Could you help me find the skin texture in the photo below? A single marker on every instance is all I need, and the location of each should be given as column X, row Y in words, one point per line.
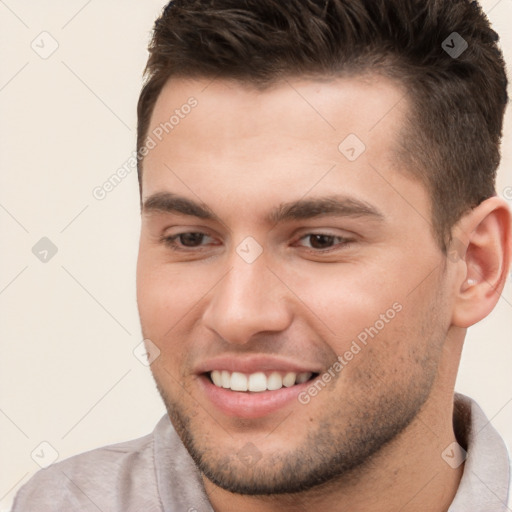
column 372, row 438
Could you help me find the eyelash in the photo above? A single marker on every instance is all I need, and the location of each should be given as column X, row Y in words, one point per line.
column 171, row 242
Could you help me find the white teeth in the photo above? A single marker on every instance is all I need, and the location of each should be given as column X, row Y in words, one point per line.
column 257, row 382
column 274, row 381
column 238, row 382
column 217, row 378
column 303, row 377
column 289, row 379
column 226, row 379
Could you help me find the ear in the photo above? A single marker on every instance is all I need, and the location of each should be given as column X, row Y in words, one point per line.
column 482, row 249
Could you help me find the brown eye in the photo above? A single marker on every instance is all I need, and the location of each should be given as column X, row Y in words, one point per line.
column 321, row 241
column 191, row 239
column 184, row 241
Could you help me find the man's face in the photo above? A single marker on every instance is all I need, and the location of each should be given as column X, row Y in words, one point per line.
column 267, row 289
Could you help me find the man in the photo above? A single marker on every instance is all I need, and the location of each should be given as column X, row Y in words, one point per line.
column 319, row 230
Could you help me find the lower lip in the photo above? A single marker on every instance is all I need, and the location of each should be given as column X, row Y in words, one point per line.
column 249, row 405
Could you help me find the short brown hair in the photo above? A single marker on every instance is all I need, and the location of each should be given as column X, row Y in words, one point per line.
column 454, row 130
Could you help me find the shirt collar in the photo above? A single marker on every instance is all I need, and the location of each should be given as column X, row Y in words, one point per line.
column 484, row 486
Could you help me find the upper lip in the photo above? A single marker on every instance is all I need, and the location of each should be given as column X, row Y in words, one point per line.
column 253, row 364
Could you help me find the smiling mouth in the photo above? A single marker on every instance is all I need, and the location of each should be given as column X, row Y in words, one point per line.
column 259, row 381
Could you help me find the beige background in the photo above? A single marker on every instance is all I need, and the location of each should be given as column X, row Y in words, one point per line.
column 67, row 372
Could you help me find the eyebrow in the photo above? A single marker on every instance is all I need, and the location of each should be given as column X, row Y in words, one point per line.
column 167, row 202
column 335, row 205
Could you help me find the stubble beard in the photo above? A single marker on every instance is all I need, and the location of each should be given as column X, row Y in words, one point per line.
column 338, row 445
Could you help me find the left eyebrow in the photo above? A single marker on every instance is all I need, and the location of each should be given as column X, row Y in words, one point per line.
column 338, row 206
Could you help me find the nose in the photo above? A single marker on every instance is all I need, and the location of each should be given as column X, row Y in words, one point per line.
column 248, row 300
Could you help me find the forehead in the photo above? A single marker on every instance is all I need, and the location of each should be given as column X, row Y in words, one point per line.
column 314, row 111
column 279, row 143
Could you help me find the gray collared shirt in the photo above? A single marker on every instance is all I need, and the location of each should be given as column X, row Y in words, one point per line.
column 155, row 473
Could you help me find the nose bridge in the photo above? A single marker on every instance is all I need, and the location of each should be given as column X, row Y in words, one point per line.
column 246, row 301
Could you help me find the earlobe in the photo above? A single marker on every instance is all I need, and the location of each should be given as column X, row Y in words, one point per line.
column 484, row 263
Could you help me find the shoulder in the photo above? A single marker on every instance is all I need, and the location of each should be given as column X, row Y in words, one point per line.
column 115, row 477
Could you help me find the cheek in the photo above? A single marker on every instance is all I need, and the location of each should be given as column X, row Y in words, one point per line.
column 165, row 301
column 168, row 295
column 343, row 301
column 404, row 346
column 372, row 320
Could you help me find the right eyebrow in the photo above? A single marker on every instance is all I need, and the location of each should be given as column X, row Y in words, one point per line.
column 167, row 202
